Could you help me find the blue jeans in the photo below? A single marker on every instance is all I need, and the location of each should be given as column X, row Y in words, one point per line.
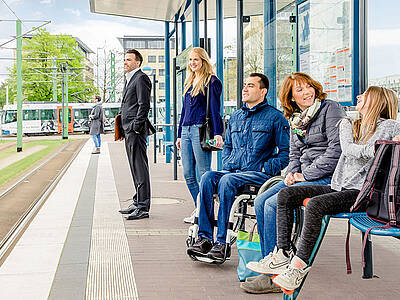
column 265, row 208
column 225, row 184
column 192, row 156
column 96, row 140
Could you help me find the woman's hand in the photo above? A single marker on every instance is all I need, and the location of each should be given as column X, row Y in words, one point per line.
column 396, row 138
column 219, row 142
column 178, row 143
column 299, row 177
column 289, row 179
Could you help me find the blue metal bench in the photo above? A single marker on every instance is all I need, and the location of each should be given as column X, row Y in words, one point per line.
column 362, row 222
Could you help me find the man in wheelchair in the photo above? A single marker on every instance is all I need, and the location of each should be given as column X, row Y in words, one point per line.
column 256, row 148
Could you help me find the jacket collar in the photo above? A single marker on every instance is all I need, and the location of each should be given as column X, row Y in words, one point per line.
column 249, row 111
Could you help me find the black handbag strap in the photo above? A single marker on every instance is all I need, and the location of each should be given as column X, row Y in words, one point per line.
column 208, row 101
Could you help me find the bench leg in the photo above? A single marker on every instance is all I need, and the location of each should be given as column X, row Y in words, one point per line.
column 368, row 268
column 324, row 227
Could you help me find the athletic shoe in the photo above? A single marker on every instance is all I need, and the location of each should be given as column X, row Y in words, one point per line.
column 190, row 220
column 217, row 252
column 275, row 262
column 292, row 278
column 261, row 284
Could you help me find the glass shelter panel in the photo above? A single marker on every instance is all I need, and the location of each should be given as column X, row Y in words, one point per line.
column 324, row 40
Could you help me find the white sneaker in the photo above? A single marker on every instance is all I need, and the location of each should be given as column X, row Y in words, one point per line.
column 274, row 263
column 292, row 278
column 190, row 220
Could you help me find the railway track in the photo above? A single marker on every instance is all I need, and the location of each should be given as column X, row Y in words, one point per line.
column 20, row 202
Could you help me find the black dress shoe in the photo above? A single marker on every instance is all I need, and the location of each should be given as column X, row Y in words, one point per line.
column 138, row 214
column 130, row 209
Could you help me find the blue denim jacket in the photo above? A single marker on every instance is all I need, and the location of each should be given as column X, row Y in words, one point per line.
column 256, row 139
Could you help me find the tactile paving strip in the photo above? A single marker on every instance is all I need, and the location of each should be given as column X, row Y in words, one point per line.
column 110, row 271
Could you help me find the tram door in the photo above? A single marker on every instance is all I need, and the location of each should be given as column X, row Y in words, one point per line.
column 70, row 120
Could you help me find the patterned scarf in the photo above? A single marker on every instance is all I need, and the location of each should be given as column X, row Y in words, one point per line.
column 300, row 119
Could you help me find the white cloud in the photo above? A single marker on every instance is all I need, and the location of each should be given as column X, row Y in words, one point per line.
column 384, row 37
column 46, row 1
column 96, row 33
column 75, row 12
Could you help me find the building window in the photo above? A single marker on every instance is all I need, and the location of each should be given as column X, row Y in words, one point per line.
column 152, row 59
column 161, row 59
column 161, row 86
column 155, row 44
column 161, row 72
column 135, row 44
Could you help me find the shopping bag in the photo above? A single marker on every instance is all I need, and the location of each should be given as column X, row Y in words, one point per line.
column 249, row 249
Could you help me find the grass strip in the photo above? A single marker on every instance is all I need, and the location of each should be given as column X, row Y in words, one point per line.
column 22, row 165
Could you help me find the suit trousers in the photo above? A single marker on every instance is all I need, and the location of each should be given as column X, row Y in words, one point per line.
column 136, row 150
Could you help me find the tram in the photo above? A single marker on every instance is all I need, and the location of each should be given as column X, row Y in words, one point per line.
column 45, row 117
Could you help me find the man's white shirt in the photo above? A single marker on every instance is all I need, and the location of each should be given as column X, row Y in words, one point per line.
column 129, row 75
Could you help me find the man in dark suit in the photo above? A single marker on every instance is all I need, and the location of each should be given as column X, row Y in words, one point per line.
column 134, row 110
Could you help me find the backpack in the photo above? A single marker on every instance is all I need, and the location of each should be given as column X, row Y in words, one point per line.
column 379, row 196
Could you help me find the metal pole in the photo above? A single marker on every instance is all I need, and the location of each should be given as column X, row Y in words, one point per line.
column 112, row 96
column 62, row 105
column 167, row 92
column 195, row 23
column 19, row 87
column 175, row 111
column 54, row 71
column 155, row 116
column 67, row 114
column 270, row 48
column 205, row 29
column 239, row 51
column 220, row 61
column 183, row 38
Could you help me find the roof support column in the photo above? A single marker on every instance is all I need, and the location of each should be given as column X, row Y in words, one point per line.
column 220, row 60
column 270, row 48
column 239, row 51
column 183, row 36
column 167, row 92
column 195, row 23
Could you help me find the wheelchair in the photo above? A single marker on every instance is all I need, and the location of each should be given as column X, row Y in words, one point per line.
column 240, row 213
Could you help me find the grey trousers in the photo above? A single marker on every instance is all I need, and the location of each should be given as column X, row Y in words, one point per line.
column 324, row 201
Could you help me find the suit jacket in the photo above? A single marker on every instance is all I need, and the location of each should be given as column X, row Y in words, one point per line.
column 136, row 103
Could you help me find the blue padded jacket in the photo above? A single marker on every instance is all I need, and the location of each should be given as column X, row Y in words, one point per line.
column 256, row 139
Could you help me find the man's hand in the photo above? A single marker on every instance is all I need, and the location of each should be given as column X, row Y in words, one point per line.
column 299, row 177
column 90, row 117
column 121, row 138
column 219, row 142
column 178, row 143
column 289, row 179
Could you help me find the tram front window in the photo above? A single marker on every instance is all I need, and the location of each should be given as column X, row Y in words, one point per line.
column 11, row 116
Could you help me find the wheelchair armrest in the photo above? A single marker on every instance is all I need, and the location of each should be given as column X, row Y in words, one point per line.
column 269, row 183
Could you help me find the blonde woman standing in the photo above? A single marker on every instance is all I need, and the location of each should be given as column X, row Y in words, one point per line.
column 200, row 79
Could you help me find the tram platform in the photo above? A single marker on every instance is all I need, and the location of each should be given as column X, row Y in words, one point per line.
column 80, row 247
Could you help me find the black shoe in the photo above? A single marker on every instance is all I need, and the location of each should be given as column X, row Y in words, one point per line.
column 138, row 214
column 130, row 209
column 218, row 251
column 200, row 247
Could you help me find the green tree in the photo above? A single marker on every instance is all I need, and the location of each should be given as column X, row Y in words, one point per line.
column 37, row 54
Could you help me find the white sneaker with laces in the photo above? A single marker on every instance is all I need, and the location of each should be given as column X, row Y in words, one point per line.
column 274, row 263
column 190, row 220
column 292, row 278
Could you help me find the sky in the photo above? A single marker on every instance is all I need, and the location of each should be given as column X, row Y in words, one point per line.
column 71, row 17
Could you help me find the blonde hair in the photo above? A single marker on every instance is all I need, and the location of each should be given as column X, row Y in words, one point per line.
column 383, row 103
column 286, row 95
column 205, row 73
